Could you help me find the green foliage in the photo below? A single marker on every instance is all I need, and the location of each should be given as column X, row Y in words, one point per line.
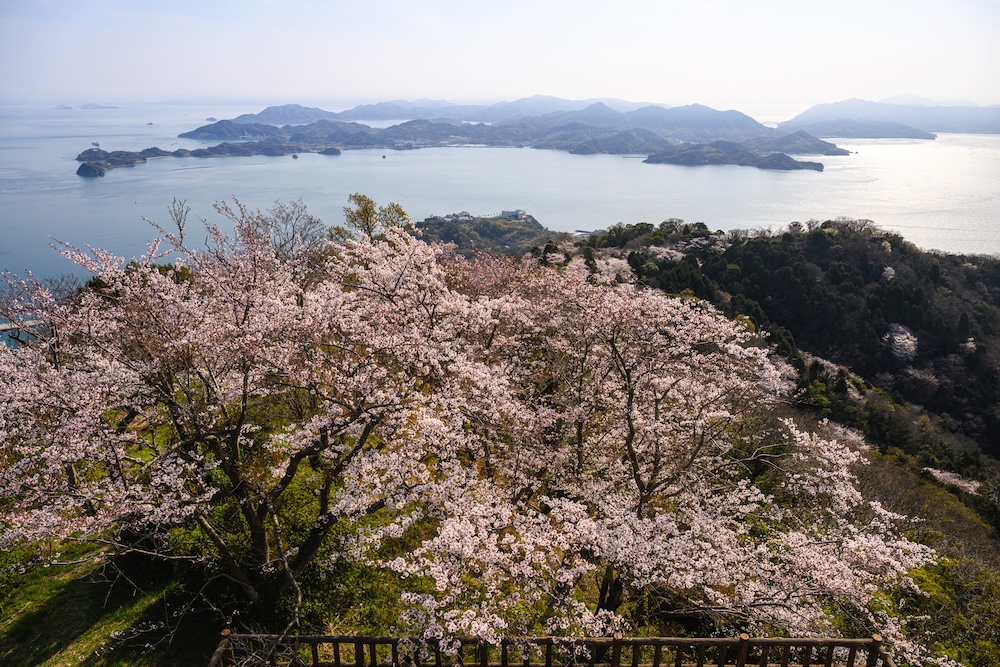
column 644, row 234
column 832, row 290
column 959, row 610
column 835, row 289
column 494, row 235
column 816, row 393
column 365, row 217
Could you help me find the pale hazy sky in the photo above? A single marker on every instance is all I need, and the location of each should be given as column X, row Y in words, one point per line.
column 769, row 58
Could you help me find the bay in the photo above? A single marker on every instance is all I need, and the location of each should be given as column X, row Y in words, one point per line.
column 941, row 194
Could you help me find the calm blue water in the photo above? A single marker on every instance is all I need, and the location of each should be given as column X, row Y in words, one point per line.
column 941, row 195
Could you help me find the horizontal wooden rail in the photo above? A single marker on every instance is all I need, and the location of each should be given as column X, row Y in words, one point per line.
column 246, row 650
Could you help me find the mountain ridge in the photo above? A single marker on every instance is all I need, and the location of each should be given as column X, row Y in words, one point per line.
column 960, row 119
column 595, row 128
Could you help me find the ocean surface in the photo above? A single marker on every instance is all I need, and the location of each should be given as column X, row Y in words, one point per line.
column 941, row 195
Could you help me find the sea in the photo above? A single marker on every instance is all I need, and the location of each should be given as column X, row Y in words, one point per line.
column 941, row 195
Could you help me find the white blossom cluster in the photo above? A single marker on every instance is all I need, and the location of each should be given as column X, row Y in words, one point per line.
column 901, row 341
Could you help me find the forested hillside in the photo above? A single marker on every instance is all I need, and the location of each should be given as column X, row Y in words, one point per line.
column 302, row 429
column 491, row 235
column 923, row 326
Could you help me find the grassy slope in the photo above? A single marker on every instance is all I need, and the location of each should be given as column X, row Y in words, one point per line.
column 73, row 615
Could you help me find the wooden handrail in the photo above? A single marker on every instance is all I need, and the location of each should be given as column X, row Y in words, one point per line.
column 743, row 651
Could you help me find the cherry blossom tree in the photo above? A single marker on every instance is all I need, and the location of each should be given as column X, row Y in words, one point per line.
column 639, row 450
column 554, row 446
column 161, row 395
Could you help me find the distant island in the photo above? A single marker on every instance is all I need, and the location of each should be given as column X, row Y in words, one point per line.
column 914, row 113
column 863, row 129
column 885, row 120
column 66, row 107
column 686, row 135
column 97, row 162
column 727, row 152
column 690, row 135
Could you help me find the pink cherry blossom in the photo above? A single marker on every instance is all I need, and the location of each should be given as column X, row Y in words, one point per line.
column 542, row 429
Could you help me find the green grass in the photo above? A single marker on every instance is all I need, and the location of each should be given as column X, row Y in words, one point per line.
column 73, row 615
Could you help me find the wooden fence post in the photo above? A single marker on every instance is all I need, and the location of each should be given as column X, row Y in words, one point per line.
column 743, row 651
column 616, row 650
column 873, row 652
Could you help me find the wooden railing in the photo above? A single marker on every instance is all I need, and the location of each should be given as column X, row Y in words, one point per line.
column 246, row 650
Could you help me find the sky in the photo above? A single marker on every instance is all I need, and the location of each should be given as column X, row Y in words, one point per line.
column 768, row 58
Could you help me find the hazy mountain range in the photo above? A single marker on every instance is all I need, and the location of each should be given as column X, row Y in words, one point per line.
column 850, row 118
column 693, row 134
column 535, row 105
column 707, row 136
column 939, row 118
column 512, row 121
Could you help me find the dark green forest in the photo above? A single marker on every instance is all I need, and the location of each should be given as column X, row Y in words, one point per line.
column 833, row 290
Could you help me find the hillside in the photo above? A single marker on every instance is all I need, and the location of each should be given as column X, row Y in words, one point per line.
column 472, row 234
column 802, row 142
column 921, row 326
column 389, row 436
column 286, row 114
column 694, row 122
column 230, row 129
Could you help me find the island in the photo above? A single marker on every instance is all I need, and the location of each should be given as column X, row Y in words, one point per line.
column 886, row 119
column 727, row 152
column 97, row 162
column 852, row 128
column 690, row 135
